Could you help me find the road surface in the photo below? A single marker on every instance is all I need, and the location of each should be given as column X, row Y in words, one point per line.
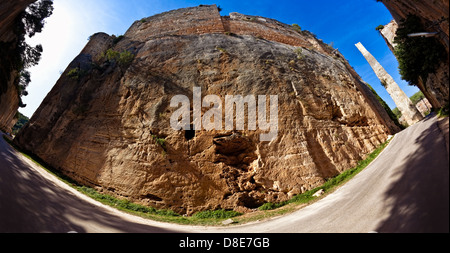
column 406, row 189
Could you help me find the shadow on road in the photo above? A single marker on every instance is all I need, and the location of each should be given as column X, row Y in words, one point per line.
column 30, row 203
column 419, row 197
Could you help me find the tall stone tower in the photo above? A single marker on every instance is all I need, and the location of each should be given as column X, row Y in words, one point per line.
column 404, row 104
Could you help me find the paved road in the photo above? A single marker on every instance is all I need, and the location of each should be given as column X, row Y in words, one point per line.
column 406, row 189
column 34, row 201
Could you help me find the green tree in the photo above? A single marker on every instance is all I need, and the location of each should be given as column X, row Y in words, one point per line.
column 297, row 28
column 124, row 58
column 34, row 17
column 25, row 79
column 30, row 22
column 417, row 97
column 24, row 56
column 379, row 28
column 417, row 56
column 21, row 121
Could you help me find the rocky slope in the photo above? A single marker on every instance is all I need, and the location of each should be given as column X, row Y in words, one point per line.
column 9, row 100
column 106, row 122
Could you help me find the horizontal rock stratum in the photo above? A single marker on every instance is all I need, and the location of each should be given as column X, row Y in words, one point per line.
column 106, row 122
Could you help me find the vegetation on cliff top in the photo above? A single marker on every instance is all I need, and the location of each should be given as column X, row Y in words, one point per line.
column 18, row 56
column 417, row 56
column 379, row 28
column 416, row 98
column 122, row 59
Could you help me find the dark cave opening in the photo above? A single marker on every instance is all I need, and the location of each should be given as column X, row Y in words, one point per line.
column 189, row 134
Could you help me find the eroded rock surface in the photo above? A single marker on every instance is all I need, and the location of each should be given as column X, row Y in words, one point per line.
column 109, row 127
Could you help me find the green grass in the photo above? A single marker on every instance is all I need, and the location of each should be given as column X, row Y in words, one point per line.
column 209, row 217
column 329, row 185
column 200, row 218
column 443, row 111
column 76, row 74
column 122, row 204
column 159, row 141
column 123, row 58
column 217, row 214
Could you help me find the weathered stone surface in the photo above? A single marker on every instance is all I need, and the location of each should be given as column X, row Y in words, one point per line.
column 319, row 193
column 228, row 222
column 9, row 10
column 388, row 33
column 409, row 112
column 9, row 103
column 424, row 107
column 110, row 128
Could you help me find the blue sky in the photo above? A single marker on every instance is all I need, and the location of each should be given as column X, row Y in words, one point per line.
column 344, row 23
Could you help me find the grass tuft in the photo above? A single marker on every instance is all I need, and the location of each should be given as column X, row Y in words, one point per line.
column 217, row 214
column 331, row 184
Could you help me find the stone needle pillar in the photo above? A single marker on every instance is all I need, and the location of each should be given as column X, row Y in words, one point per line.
column 404, row 104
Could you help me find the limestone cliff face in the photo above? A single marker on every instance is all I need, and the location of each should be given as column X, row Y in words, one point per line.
column 9, row 100
column 434, row 14
column 109, row 126
column 9, row 11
